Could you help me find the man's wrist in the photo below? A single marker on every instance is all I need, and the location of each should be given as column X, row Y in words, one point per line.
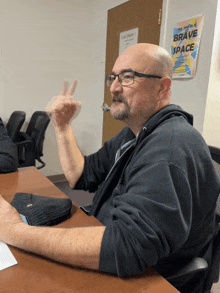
column 16, row 234
column 62, row 128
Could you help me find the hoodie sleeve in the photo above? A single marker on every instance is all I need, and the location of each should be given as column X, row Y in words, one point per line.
column 8, row 152
column 149, row 220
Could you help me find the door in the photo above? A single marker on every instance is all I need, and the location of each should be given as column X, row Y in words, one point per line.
column 142, row 14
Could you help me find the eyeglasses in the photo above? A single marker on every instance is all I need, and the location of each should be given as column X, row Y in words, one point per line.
column 127, row 77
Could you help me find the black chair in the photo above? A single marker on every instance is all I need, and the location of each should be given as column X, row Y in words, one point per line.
column 14, row 124
column 30, row 144
column 197, row 271
column 199, row 275
column 213, row 272
column 215, row 153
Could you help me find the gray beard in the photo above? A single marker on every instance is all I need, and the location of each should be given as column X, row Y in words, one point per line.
column 124, row 113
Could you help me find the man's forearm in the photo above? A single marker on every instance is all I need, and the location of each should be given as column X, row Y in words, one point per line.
column 71, row 159
column 74, row 246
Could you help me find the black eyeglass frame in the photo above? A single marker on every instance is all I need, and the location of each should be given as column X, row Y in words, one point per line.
column 135, row 73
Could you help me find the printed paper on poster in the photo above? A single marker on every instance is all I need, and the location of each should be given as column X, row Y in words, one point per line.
column 185, row 47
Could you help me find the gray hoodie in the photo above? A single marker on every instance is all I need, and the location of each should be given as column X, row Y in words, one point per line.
column 157, row 199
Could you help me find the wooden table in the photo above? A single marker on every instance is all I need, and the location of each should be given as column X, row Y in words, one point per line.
column 36, row 274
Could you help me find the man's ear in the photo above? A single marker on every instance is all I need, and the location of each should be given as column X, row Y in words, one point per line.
column 165, row 84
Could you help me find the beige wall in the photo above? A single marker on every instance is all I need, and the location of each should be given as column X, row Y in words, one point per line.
column 44, row 42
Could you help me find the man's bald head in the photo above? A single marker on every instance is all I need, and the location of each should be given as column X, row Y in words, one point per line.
column 151, row 55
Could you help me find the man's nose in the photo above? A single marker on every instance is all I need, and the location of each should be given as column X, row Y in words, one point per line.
column 116, row 86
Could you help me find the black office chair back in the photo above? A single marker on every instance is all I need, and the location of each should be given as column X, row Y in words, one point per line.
column 217, row 169
column 14, row 124
column 33, row 121
column 38, row 136
column 200, row 275
column 213, row 272
column 215, row 153
column 30, row 146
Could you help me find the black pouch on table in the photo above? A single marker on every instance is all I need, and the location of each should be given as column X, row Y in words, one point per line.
column 40, row 210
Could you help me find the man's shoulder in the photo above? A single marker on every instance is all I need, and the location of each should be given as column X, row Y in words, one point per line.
column 173, row 140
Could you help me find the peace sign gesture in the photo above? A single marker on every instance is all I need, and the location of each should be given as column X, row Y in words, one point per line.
column 63, row 108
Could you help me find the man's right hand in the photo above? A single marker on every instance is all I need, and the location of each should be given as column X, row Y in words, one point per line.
column 63, row 108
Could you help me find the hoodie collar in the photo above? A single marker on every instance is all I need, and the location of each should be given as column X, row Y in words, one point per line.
column 159, row 117
column 164, row 114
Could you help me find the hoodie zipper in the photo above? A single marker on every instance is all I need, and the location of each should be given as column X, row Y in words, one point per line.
column 118, row 159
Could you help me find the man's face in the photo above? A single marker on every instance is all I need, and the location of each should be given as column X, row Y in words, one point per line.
column 137, row 101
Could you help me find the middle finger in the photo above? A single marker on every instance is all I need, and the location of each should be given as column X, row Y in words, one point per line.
column 72, row 88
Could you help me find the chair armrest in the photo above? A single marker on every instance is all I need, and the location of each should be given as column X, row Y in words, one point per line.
column 197, row 265
column 24, row 138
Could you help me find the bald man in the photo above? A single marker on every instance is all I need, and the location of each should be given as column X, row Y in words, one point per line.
column 154, row 182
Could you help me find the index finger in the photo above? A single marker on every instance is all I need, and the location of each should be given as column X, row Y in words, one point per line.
column 72, row 89
column 65, row 87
